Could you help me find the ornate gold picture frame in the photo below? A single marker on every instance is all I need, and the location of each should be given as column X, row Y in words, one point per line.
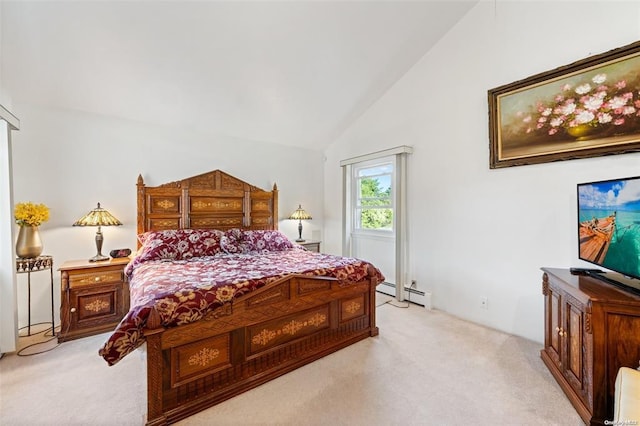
column 585, row 109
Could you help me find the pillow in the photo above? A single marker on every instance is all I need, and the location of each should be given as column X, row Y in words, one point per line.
column 231, row 240
column 262, row 241
column 239, row 241
column 179, row 244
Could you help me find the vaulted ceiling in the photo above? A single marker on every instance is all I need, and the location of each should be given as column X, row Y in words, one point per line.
column 294, row 73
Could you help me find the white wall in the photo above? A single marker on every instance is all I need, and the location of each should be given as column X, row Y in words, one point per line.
column 477, row 232
column 71, row 160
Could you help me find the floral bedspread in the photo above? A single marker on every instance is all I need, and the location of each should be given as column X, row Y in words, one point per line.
column 184, row 291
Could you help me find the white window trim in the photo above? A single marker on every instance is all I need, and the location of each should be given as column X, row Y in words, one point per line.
column 8, row 285
column 402, row 149
column 400, row 209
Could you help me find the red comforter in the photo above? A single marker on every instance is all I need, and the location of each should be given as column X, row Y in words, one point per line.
column 184, row 291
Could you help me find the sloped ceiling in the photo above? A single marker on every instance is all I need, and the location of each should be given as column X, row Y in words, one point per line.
column 294, row 73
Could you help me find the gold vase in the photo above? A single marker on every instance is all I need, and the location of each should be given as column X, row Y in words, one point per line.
column 582, row 131
column 28, row 244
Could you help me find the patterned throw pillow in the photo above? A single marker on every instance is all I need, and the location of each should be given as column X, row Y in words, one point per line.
column 261, row 241
column 231, row 241
column 179, row 244
column 239, row 241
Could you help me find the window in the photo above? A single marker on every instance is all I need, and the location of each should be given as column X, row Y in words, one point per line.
column 374, row 221
column 374, row 197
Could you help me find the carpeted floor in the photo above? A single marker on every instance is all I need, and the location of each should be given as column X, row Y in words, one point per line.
column 425, row 368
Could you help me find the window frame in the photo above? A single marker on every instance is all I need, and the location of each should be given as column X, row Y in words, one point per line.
column 356, row 196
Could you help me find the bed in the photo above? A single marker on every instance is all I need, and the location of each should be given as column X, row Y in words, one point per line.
column 225, row 302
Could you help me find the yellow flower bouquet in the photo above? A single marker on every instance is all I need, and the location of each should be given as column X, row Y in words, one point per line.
column 30, row 214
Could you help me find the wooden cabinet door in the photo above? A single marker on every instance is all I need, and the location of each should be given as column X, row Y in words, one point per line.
column 554, row 326
column 574, row 359
column 96, row 306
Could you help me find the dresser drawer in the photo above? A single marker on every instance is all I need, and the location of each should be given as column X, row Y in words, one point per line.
column 311, row 245
column 94, row 278
column 96, row 305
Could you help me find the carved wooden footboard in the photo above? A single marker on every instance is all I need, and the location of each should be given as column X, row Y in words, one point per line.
column 258, row 337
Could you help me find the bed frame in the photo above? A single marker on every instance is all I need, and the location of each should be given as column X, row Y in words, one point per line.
column 256, row 338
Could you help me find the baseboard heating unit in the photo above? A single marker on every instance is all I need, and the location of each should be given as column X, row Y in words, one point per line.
column 412, row 295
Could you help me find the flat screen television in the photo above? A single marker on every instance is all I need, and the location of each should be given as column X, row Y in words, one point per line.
column 609, row 230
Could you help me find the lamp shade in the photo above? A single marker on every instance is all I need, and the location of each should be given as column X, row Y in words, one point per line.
column 98, row 217
column 300, row 214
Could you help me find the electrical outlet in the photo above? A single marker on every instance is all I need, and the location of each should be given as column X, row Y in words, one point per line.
column 484, row 303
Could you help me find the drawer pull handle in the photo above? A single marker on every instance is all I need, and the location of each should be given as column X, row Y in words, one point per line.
column 73, row 310
column 97, row 279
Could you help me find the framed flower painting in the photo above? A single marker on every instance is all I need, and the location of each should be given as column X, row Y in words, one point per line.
column 586, row 109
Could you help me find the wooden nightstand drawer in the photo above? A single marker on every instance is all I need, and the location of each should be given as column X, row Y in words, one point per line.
column 78, row 280
column 311, row 245
column 97, row 305
column 94, row 297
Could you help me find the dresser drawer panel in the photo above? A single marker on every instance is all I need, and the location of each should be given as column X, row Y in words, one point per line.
column 260, row 220
column 199, row 359
column 352, row 308
column 218, row 205
column 97, row 306
column 162, row 223
column 263, row 206
column 267, row 335
column 102, row 277
column 311, row 246
column 216, row 222
column 166, row 204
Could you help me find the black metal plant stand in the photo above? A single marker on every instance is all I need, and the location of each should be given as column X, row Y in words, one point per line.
column 36, row 264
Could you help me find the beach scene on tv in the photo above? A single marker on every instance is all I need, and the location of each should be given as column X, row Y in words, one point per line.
column 609, row 224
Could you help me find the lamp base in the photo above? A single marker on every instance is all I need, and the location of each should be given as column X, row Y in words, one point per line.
column 99, row 258
column 300, row 240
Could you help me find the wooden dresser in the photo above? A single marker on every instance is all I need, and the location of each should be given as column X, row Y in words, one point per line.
column 94, row 297
column 592, row 328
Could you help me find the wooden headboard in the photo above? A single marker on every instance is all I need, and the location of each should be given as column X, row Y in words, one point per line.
column 213, row 200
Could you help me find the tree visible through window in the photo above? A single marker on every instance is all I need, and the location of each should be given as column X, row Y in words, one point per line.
column 374, row 199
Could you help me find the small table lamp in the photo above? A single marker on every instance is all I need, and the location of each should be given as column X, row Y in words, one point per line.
column 299, row 214
column 98, row 217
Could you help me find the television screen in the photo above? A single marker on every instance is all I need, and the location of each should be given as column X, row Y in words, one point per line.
column 609, row 224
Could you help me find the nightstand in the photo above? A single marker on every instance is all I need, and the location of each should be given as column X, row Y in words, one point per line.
column 94, row 297
column 311, row 245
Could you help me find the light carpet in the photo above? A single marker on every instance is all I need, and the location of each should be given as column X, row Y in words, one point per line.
column 425, row 368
